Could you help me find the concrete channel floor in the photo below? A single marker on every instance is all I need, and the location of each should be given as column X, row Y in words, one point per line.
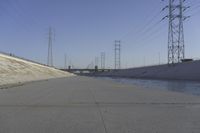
column 87, row 105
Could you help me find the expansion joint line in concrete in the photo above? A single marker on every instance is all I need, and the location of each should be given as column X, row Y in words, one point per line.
column 99, row 105
column 99, row 109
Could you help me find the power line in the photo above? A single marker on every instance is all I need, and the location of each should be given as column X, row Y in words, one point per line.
column 14, row 19
column 14, row 11
column 152, row 35
column 193, row 8
column 192, row 3
column 32, row 17
column 149, row 34
column 196, row 9
column 144, row 27
column 20, row 14
column 150, row 31
column 147, row 29
column 195, row 13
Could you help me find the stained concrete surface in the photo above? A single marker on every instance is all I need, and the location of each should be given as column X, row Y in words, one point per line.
column 86, row 105
column 178, row 71
column 14, row 70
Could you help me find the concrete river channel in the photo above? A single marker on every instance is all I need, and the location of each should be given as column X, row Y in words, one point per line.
column 187, row 87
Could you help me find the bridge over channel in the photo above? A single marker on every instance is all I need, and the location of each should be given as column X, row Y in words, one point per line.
column 82, row 71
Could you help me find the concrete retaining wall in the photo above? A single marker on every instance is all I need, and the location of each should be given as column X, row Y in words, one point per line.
column 14, row 70
column 180, row 71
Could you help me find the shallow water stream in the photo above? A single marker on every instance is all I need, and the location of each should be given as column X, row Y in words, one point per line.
column 189, row 87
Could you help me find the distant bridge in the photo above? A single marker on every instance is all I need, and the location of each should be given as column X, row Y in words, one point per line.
column 87, row 70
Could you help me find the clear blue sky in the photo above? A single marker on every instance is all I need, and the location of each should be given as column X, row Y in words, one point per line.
column 85, row 28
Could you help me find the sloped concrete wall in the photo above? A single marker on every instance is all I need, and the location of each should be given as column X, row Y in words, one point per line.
column 180, row 71
column 14, row 70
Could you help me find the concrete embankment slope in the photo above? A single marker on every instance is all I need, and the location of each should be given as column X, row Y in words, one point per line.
column 14, row 70
column 180, row 71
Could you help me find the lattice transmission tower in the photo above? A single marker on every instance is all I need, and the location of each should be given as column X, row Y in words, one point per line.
column 117, row 54
column 176, row 45
column 65, row 62
column 103, row 60
column 50, row 49
column 96, row 61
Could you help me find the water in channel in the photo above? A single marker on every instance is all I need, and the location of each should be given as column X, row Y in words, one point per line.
column 188, row 87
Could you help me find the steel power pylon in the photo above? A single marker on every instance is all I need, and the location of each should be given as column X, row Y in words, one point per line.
column 96, row 61
column 117, row 54
column 65, row 61
column 176, row 46
column 50, row 49
column 103, row 60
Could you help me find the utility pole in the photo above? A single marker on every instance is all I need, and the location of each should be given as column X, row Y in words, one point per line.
column 50, row 49
column 117, row 49
column 176, row 46
column 103, row 59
